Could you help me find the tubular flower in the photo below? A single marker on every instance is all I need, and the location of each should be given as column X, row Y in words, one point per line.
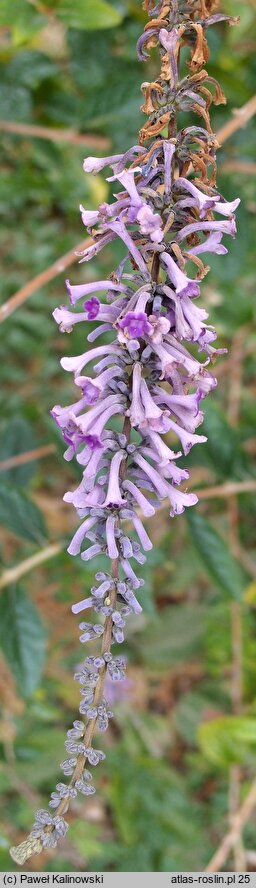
column 146, row 382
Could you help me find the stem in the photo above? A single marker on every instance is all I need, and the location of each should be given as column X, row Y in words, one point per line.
column 155, row 267
column 105, row 648
column 89, row 729
column 20, row 459
column 54, row 134
column 240, row 819
column 12, row 574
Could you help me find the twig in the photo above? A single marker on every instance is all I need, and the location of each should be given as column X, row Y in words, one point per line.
column 12, row 574
column 28, row 456
column 41, row 279
column 242, row 116
column 240, row 819
column 238, row 166
column 54, row 134
column 233, row 359
column 226, row 490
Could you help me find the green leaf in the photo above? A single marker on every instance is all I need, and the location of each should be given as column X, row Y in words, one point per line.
column 188, row 715
column 22, row 638
column 216, row 556
column 92, row 15
column 222, row 439
column 17, row 437
column 15, row 103
column 228, row 739
column 23, row 18
column 29, row 68
column 38, row 754
column 20, row 515
column 173, row 636
column 93, row 74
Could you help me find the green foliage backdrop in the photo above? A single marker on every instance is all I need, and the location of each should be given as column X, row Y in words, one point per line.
column 162, row 801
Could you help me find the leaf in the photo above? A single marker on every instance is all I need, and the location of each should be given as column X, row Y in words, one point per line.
column 250, row 594
column 15, row 103
column 17, row 12
column 143, row 791
column 87, row 842
column 227, row 739
column 116, row 109
column 22, row 638
column 216, row 557
column 173, row 636
column 20, row 515
column 92, row 15
column 223, row 439
column 93, row 73
column 188, row 715
column 17, row 437
column 29, row 68
column 38, row 754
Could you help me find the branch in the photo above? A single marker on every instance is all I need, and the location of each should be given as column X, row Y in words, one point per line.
column 12, row 574
column 241, row 118
column 54, row 134
column 229, row 489
column 41, row 279
column 238, row 166
column 28, row 456
column 240, row 819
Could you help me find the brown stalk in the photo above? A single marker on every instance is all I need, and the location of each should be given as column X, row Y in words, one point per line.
column 28, row 456
column 241, row 817
column 54, row 134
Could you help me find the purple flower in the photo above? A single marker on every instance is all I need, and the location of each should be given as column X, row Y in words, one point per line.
column 183, row 285
column 203, row 201
column 78, row 538
column 146, row 507
column 223, row 227
column 150, row 223
column 78, row 291
column 170, row 41
column 169, row 151
column 141, row 51
column 226, row 208
column 114, row 497
column 89, row 217
column 212, row 244
column 126, row 178
column 92, row 308
column 120, row 230
column 136, row 324
column 96, row 164
column 75, row 365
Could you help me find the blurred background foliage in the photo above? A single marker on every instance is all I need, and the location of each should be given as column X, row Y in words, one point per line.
column 184, row 735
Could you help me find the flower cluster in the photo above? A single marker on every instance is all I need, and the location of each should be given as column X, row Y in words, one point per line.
column 146, row 382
